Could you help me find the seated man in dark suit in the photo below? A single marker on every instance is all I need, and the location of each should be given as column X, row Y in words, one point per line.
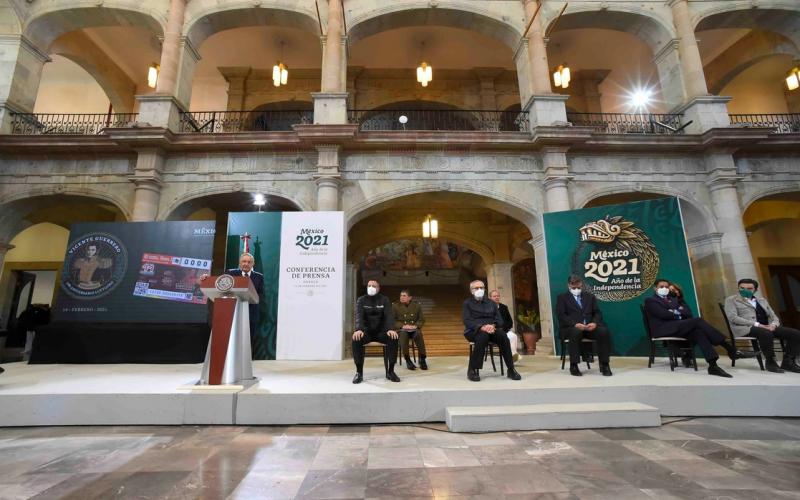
column 246, row 263
column 670, row 319
column 482, row 324
column 579, row 317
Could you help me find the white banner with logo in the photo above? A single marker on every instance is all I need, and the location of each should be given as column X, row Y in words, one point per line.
column 311, row 286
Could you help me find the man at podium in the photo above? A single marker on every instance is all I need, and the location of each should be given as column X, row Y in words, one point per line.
column 246, row 262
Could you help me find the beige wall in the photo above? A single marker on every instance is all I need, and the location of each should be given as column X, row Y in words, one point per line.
column 779, row 239
column 44, row 242
column 68, row 88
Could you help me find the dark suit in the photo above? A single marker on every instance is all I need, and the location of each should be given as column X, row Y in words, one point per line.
column 477, row 313
column 505, row 315
column 570, row 313
column 665, row 323
column 255, row 315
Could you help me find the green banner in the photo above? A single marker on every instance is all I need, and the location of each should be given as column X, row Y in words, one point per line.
column 619, row 250
column 264, row 242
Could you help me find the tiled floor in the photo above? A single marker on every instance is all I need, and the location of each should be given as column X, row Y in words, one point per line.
column 703, row 458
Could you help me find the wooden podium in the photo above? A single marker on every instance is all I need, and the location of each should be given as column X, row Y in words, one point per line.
column 228, row 357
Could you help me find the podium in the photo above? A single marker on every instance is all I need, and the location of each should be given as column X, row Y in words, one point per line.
column 228, row 357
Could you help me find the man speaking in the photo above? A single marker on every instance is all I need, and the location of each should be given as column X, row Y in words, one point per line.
column 246, row 262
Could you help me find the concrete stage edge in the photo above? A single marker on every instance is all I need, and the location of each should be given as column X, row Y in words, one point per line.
column 303, row 392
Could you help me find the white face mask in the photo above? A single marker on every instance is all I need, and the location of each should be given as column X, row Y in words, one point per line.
column 478, row 293
column 575, row 291
column 663, row 291
column 371, row 290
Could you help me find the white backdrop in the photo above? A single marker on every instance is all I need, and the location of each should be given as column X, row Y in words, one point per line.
column 311, row 286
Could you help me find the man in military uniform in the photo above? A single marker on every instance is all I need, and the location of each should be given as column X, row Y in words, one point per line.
column 408, row 321
column 374, row 323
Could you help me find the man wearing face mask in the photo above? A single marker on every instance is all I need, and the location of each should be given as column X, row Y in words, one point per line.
column 374, row 323
column 483, row 324
column 670, row 319
column 752, row 316
column 579, row 317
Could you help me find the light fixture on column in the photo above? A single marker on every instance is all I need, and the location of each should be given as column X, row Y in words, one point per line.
column 793, row 78
column 561, row 76
column 430, row 228
column 152, row 75
column 280, row 72
column 424, row 71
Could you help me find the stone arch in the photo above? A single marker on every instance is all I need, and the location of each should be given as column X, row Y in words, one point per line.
column 17, row 206
column 402, row 15
column 655, row 32
column 503, row 203
column 116, row 84
column 744, row 54
column 9, row 19
column 698, row 218
column 201, row 24
column 779, row 20
column 757, row 195
column 46, row 26
column 182, row 205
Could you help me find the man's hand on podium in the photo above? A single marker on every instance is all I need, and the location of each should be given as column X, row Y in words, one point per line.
column 392, row 334
column 358, row 335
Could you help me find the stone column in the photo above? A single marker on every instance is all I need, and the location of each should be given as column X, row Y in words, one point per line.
column 737, row 260
column 705, row 252
column 545, row 344
column 330, row 105
column 556, row 178
column 350, row 296
column 7, row 290
column 705, row 111
column 501, row 279
column 792, row 100
column 237, row 86
column 21, row 65
column 173, row 90
column 545, row 107
column 327, row 177
column 147, row 179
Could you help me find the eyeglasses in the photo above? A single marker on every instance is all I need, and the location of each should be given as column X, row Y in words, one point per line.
column 478, row 288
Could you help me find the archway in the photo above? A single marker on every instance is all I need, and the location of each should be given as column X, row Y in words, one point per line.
column 772, row 223
column 217, row 206
column 474, row 241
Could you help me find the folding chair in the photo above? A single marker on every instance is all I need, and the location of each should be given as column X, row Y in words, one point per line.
column 588, row 358
column 490, row 353
column 674, row 345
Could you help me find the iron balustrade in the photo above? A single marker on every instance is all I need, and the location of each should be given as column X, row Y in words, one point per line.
column 68, row 124
column 628, row 123
column 222, row 122
column 439, row 119
column 785, row 123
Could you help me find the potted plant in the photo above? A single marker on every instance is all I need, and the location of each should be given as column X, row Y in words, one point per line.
column 529, row 319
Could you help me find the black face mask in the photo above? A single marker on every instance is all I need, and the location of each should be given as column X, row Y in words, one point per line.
column 673, row 294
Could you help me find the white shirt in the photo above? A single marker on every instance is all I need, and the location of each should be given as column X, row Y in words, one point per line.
column 245, row 274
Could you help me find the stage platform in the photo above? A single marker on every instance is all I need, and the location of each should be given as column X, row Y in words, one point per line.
column 303, row 392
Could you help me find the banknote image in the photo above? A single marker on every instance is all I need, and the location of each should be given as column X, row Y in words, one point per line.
column 171, row 277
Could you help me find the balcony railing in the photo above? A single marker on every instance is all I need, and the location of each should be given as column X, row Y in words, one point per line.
column 439, row 119
column 782, row 123
column 222, row 122
column 68, row 124
column 628, row 123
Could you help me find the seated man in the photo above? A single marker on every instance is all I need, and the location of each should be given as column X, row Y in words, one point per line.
column 508, row 324
column 752, row 316
column 670, row 319
column 579, row 317
column 374, row 323
column 408, row 321
column 482, row 323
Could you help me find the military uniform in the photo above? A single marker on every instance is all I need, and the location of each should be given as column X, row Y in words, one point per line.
column 409, row 314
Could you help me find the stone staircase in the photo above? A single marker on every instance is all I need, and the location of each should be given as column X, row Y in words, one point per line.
column 441, row 304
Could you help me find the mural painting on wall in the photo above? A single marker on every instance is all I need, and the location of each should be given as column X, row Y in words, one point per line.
column 526, row 298
column 419, row 253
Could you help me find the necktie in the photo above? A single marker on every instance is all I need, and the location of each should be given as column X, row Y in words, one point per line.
column 578, row 300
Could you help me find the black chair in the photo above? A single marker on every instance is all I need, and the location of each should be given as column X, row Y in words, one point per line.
column 753, row 341
column 490, row 353
column 385, row 357
column 675, row 345
column 586, row 357
column 412, row 348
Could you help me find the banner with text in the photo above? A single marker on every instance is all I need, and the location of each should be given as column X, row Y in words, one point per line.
column 619, row 251
column 301, row 255
column 136, row 272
